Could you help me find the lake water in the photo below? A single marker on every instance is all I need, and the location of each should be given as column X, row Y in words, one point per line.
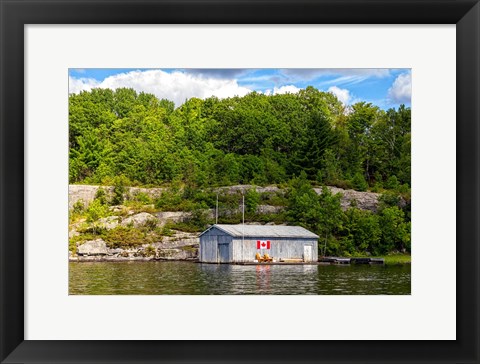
column 159, row 278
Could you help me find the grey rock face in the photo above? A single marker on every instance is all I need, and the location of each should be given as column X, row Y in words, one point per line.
column 116, row 251
column 268, row 209
column 93, row 247
column 177, row 254
column 179, row 239
column 173, row 216
column 363, row 200
column 86, row 193
column 109, row 223
column 139, row 219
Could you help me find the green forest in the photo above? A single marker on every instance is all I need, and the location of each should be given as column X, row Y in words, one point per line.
column 294, row 141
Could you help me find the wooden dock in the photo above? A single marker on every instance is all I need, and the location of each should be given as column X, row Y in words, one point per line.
column 276, row 263
column 324, row 260
column 339, row 260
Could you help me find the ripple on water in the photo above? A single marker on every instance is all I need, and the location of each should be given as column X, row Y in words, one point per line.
column 160, row 278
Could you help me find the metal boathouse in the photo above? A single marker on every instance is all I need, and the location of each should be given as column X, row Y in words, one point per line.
column 240, row 243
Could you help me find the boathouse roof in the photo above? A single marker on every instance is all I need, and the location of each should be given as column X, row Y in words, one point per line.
column 273, row 231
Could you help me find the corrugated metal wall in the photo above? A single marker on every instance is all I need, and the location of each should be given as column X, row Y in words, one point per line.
column 215, row 247
column 218, row 247
column 280, row 248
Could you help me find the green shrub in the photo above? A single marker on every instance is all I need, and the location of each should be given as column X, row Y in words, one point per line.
column 138, row 206
column 150, row 251
column 395, row 231
column 273, row 198
column 388, row 199
column 197, row 222
column 101, row 196
column 123, row 236
column 278, row 218
column 78, row 207
column 72, row 247
column 206, row 198
column 377, row 187
column 392, row 183
column 235, row 218
column 150, row 225
column 199, row 219
column 96, row 210
column 93, row 229
column 185, row 227
column 252, row 199
column 119, row 189
column 143, row 198
column 345, row 184
column 172, row 200
column 359, row 182
column 404, row 189
column 167, row 229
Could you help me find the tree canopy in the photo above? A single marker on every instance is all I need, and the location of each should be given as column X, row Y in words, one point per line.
column 260, row 139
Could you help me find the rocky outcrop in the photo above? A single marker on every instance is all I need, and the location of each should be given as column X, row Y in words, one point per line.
column 165, row 254
column 108, row 223
column 173, row 216
column 99, row 252
column 92, row 247
column 268, row 209
column 83, row 193
column 178, row 239
column 244, row 188
column 362, row 200
column 139, row 219
column 86, row 193
column 178, row 246
column 186, row 253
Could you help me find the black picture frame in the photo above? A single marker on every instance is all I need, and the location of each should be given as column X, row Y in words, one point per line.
column 15, row 14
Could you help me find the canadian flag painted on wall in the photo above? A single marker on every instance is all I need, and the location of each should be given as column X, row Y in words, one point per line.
column 263, row 244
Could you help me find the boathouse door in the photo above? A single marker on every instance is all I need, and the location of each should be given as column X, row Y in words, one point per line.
column 307, row 253
column 223, row 253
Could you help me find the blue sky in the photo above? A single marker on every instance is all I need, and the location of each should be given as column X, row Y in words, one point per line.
column 385, row 88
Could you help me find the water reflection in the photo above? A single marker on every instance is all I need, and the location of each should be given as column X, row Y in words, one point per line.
column 157, row 278
column 263, row 278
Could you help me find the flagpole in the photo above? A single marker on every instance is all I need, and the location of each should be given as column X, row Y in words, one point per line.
column 216, row 211
column 243, row 219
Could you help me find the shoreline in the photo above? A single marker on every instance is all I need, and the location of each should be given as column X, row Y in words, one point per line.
column 81, row 259
column 386, row 261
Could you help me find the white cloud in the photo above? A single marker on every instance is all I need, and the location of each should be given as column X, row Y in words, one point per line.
column 342, row 94
column 307, row 74
column 291, row 89
column 285, row 89
column 75, row 85
column 176, row 86
column 401, row 90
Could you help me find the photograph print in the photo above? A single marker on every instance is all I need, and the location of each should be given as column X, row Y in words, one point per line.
column 239, row 181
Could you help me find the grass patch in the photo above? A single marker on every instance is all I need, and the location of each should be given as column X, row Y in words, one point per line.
column 122, row 237
column 182, row 226
column 139, row 206
column 397, row 259
column 391, row 259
